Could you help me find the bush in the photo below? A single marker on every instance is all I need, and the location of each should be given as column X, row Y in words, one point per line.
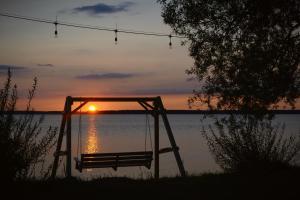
column 245, row 144
column 23, row 145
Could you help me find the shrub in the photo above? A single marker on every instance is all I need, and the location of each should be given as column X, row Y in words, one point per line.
column 245, row 144
column 23, row 144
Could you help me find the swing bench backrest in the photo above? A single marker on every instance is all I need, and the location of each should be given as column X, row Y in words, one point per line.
column 114, row 160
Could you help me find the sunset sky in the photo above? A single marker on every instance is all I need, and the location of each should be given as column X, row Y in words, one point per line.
column 83, row 62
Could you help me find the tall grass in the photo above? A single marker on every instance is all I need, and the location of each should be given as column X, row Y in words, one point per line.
column 23, row 144
column 245, row 144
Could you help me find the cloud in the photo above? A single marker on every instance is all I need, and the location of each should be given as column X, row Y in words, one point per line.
column 16, row 70
column 11, row 67
column 102, row 8
column 157, row 91
column 45, row 65
column 105, row 76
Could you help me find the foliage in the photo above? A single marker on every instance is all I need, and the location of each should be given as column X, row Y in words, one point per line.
column 246, row 53
column 23, row 145
column 245, row 144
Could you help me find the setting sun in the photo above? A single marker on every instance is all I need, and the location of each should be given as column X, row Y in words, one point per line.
column 92, row 108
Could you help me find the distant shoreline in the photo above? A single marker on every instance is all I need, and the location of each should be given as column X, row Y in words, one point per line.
column 168, row 112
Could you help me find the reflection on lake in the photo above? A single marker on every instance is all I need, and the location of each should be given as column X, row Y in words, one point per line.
column 92, row 143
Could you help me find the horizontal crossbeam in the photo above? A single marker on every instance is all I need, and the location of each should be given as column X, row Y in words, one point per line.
column 114, row 99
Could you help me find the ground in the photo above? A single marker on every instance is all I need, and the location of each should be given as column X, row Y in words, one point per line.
column 282, row 185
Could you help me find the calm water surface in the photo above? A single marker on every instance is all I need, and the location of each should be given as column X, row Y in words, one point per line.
column 116, row 133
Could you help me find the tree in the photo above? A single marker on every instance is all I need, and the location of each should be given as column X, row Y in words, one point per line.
column 246, row 52
column 247, row 57
column 23, row 144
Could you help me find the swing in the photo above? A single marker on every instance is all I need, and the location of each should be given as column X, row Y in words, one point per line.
column 114, row 160
column 152, row 105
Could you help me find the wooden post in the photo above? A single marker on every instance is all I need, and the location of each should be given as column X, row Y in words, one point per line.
column 59, row 142
column 171, row 138
column 156, row 140
column 69, row 137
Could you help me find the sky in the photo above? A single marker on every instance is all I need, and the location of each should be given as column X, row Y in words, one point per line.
column 81, row 62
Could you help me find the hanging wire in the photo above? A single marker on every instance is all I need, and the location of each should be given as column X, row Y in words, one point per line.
column 79, row 147
column 100, row 28
column 64, row 169
column 59, row 163
column 148, row 132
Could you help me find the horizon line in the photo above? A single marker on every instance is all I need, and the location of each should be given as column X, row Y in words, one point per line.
column 171, row 111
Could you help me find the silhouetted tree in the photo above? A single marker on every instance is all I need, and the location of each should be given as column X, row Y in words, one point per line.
column 247, row 57
column 23, row 145
column 246, row 52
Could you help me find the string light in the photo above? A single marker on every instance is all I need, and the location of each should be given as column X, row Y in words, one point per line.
column 170, row 42
column 55, row 32
column 100, row 28
column 116, row 35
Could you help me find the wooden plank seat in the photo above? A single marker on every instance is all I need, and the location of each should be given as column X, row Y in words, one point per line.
column 114, row 160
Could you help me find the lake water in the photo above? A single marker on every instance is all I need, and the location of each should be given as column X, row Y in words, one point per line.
column 117, row 133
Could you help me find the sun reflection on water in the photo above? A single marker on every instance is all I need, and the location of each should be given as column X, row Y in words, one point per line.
column 92, row 144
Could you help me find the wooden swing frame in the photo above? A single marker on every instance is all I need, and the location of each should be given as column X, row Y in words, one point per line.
column 152, row 105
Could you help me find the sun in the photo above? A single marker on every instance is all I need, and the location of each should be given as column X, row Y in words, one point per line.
column 92, row 108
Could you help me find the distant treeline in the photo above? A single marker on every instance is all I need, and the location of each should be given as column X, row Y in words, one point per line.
column 168, row 112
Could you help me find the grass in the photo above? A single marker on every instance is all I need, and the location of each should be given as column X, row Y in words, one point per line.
column 282, row 185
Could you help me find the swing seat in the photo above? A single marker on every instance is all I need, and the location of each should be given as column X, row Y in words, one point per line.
column 114, row 160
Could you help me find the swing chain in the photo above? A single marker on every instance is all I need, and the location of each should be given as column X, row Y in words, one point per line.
column 148, row 132
column 79, row 147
